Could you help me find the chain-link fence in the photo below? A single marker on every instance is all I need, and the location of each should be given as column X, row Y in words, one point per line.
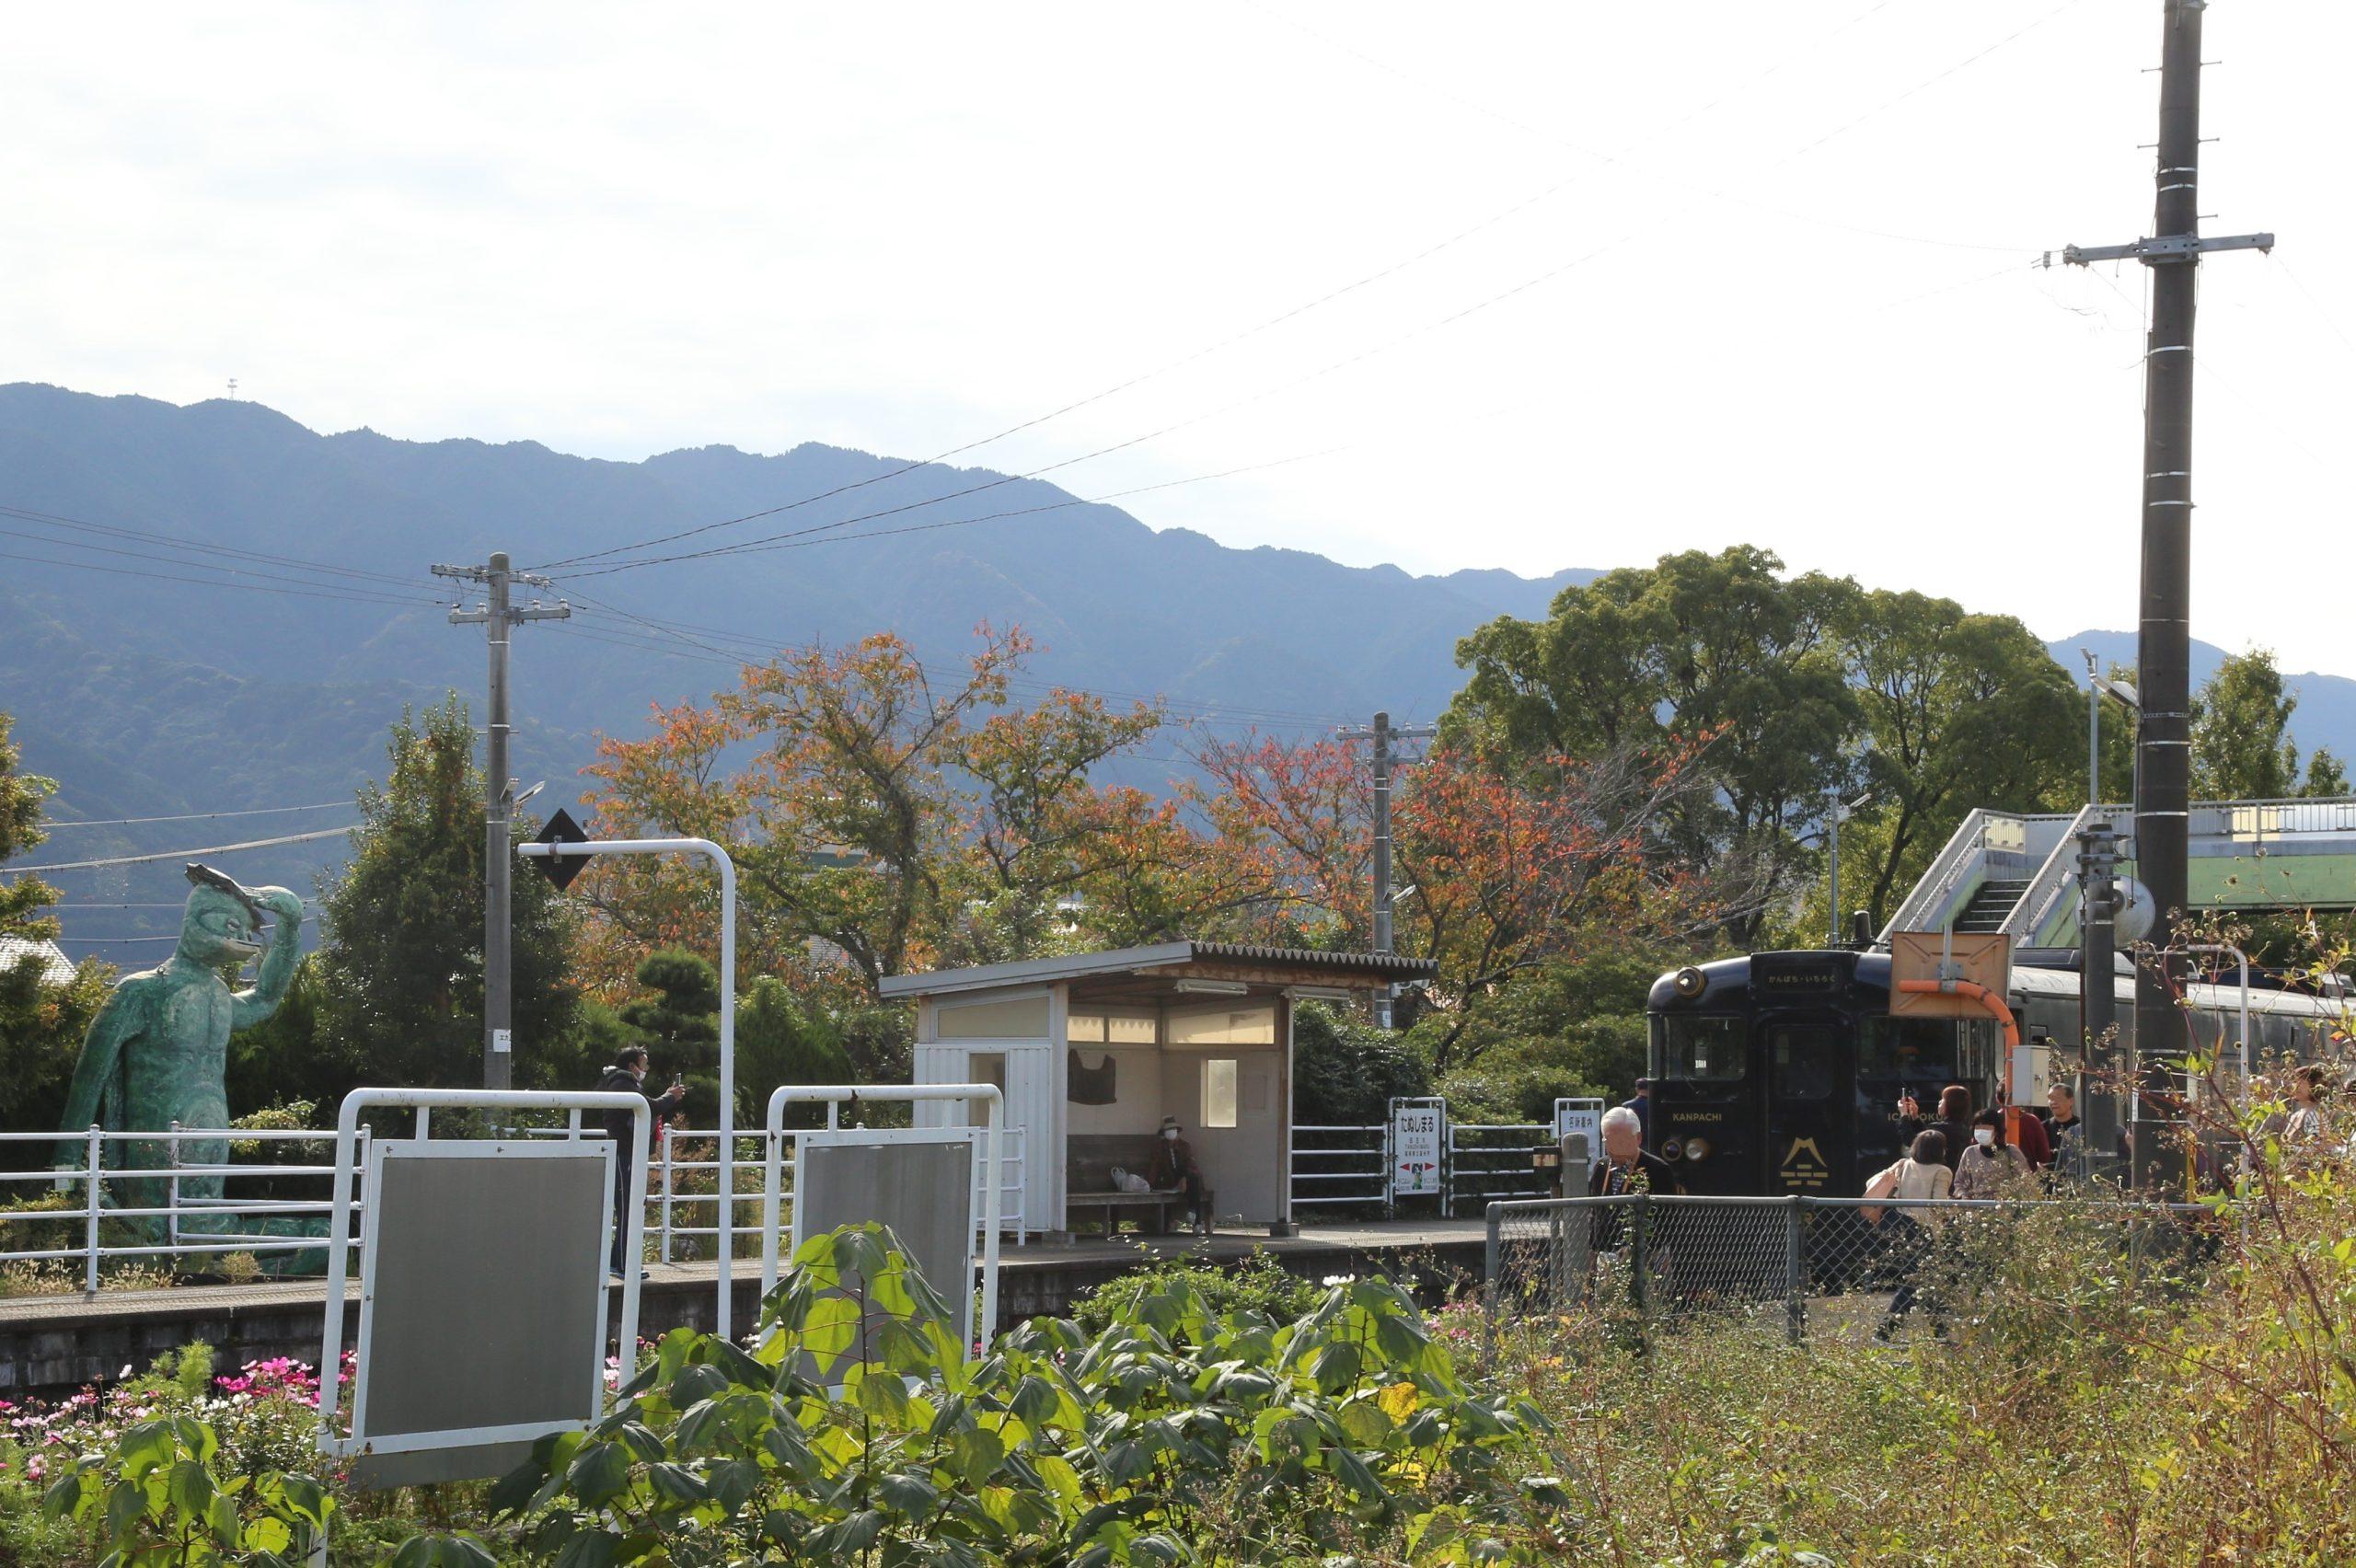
column 1821, row 1265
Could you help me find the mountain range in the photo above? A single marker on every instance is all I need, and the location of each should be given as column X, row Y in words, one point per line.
column 153, row 679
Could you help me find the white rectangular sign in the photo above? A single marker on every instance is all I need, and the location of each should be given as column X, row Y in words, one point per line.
column 1417, row 1131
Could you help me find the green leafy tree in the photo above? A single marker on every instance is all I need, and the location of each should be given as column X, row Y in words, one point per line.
column 1960, row 711
column 41, row 1024
column 1718, row 649
column 2242, row 747
column 779, row 1041
column 401, row 970
column 679, row 1023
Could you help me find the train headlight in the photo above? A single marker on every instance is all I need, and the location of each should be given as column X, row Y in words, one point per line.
column 1697, row 1148
column 1689, row 981
column 1671, row 1147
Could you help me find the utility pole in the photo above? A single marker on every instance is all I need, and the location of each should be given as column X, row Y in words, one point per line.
column 1838, row 812
column 2163, row 734
column 498, row 618
column 1383, row 734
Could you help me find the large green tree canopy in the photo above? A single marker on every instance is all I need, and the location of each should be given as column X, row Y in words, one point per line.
column 1801, row 687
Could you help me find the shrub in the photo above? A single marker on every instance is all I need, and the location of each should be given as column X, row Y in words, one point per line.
column 158, row 1498
column 1258, row 1284
column 1280, row 1441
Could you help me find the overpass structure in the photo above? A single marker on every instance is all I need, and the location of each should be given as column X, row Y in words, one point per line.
column 2018, row 874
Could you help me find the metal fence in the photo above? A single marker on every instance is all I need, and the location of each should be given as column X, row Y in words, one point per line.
column 145, row 1196
column 1340, row 1166
column 1803, row 1264
column 683, row 1177
column 201, row 1194
column 1490, row 1160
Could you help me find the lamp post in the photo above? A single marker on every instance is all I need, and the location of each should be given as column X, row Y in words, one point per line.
column 1840, row 814
column 727, row 1162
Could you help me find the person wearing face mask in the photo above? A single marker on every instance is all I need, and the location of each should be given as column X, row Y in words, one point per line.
column 1174, row 1169
column 1990, row 1168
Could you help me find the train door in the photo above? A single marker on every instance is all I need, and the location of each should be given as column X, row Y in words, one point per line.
column 1705, row 1116
column 1804, row 1057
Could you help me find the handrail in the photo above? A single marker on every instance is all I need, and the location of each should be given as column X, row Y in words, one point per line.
column 1939, row 879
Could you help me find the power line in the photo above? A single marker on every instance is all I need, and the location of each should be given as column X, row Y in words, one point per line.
column 178, row 854
column 290, row 587
column 1332, row 295
column 52, row 824
column 179, row 541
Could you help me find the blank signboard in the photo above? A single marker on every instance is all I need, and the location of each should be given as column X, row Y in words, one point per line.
column 917, row 1180
column 483, row 1279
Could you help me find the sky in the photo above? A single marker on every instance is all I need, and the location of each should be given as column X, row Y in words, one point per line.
column 1521, row 287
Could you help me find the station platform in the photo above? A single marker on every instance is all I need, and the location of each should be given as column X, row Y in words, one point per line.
column 53, row 1344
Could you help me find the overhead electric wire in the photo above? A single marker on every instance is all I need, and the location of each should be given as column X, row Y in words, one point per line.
column 300, row 590
column 340, row 591
column 178, row 541
column 51, row 824
column 180, row 854
column 1330, row 296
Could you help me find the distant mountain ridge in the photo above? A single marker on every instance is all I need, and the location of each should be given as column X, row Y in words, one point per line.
column 145, row 697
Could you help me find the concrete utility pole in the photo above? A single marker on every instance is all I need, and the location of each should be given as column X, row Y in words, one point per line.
column 2163, row 736
column 498, row 618
column 1383, row 734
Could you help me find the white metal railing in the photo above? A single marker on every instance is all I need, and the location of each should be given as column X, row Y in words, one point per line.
column 664, row 1199
column 187, row 1222
column 2052, row 884
column 2258, row 821
column 1352, row 1165
column 1492, row 1160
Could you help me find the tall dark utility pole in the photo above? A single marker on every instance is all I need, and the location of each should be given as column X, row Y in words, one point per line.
column 2163, row 734
column 499, row 618
column 1383, row 734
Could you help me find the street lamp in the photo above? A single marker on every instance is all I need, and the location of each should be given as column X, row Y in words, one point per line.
column 2098, row 686
column 1841, row 814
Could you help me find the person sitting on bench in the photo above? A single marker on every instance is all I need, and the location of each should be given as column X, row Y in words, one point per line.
column 1174, row 1169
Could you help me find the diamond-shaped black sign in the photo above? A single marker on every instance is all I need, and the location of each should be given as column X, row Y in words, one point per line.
column 561, row 829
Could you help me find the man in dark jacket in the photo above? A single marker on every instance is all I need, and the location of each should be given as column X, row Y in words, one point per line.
column 627, row 1076
column 1628, row 1169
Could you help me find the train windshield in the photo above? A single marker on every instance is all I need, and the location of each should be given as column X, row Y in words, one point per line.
column 1905, row 1048
column 1709, row 1050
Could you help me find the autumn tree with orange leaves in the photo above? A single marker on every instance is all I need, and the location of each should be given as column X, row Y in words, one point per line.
column 883, row 818
column 1508, row 871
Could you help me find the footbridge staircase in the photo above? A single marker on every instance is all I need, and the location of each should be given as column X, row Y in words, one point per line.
column 2018, row 874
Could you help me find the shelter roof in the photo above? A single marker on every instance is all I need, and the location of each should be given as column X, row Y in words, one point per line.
column 1171, row 962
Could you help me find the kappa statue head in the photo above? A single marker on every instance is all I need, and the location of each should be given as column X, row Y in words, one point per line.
column 223, row 922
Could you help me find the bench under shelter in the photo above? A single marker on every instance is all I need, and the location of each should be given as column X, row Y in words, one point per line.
column 1092, row 1050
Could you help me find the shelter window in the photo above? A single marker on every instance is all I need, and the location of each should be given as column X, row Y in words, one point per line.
column 1246, row 1024
column 1709, row 1050
column 1022, row 1019
column 1100, row 1029
column 1218, row 1091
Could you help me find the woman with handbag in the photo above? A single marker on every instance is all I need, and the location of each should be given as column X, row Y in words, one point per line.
column 1921, row 1173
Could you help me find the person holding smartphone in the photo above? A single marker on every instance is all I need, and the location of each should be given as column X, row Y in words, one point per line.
column 627, row 1076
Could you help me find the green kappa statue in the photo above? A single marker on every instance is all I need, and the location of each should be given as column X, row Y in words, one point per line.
column 157, row 1052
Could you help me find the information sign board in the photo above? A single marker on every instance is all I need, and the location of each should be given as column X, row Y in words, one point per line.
column 1418, row 1135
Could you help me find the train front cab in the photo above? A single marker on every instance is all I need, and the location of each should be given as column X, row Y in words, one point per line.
column 1780, row 1072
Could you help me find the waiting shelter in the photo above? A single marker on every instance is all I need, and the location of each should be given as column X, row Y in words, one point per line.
column 1093, row 1050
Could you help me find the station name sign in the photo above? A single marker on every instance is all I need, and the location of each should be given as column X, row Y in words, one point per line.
column 1799, row 974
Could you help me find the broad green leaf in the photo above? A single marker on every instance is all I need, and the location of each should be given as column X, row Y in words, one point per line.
column 267, row 1534
column 190, row 1488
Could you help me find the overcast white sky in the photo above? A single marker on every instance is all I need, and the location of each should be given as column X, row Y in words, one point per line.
column 622, row 229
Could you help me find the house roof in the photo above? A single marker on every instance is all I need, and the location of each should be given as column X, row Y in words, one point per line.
column 1269, row 966
column 56, row 969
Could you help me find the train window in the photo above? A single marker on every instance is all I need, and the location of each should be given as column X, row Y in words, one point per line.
column 1709, row 1049
column 1805, row 1060
column 1910, row 1049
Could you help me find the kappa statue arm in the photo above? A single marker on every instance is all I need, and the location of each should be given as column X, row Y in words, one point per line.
column 260, row 999
column 120, row 1022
